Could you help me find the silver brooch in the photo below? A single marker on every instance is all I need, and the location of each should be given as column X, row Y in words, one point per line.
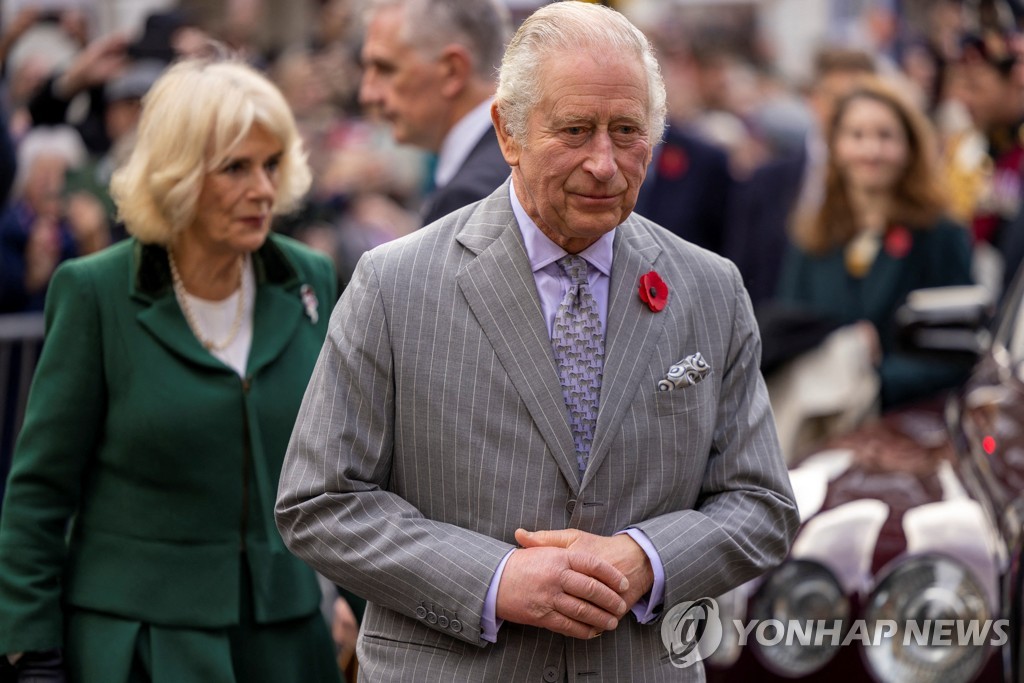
column 310, row 303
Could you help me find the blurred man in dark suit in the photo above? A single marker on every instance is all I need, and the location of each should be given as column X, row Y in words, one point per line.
column 430, row 67
column 687, row 188
column 496, row 402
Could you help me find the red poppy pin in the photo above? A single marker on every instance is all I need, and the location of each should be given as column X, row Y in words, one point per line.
column 673, row 162
column 898, row 242
column 653, row 291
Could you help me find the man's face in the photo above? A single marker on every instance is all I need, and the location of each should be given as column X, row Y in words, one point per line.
column 400, row 84
column 586, row 151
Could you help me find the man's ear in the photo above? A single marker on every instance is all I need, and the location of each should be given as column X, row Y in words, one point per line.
column 456, row 70
column 510, row 149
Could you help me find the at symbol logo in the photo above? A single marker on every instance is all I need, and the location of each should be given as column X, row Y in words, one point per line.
column 691, row 632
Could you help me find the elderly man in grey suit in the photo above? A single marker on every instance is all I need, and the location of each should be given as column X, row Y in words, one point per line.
column 429, row 68
column 542, row 412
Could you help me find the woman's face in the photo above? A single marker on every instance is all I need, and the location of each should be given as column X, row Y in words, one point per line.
column 234, row 208
column 871, row 148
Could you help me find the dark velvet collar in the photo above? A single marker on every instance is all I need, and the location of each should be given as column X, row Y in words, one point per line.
column 152, row 271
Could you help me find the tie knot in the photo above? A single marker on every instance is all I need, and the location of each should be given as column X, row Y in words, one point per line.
column 575, row 267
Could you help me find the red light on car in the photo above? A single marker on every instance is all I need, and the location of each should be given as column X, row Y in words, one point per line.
column 989, row 445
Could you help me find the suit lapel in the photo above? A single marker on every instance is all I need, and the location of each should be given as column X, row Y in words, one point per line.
column 277, row 313
column 277, row 308
column 500, row 289
column 162, row 318
column 502, row 294
column 632, row 335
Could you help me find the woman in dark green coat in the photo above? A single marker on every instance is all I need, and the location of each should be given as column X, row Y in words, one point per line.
column 137, row 538
column 880, row 232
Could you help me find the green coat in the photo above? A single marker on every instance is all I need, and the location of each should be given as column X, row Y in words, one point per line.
column 934, row 257
column 146, row 469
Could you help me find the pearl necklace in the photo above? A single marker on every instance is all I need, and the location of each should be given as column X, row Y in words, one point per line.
column 193, row 322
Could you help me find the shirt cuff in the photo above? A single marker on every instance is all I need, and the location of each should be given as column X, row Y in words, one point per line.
column 648, row 607
column 489, row 622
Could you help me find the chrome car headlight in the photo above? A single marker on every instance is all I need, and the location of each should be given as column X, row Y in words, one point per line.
column 928, row 603
column 801, row 613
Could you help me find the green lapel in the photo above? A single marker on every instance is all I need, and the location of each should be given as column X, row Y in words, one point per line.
column 278, row 307
column 880, row 288
column 278, row 313
column 151, row 284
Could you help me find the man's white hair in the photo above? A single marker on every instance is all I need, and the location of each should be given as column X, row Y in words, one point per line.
column 481, row 26
column 568, row 28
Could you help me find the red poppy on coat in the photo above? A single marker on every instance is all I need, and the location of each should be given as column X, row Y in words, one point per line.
column 673, row 162
column 898, row 242
column 653, row 291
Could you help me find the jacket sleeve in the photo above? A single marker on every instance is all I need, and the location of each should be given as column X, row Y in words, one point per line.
column 334, row 509
column 63, row 420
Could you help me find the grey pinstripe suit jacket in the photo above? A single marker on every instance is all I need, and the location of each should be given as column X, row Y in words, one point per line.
column 434, row 426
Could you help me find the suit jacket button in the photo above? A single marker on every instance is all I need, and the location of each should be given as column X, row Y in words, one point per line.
column 550, row 674
column 442, row 621
column 570, row 506
column 431, row 617
column 455, row 626
column 421, row 612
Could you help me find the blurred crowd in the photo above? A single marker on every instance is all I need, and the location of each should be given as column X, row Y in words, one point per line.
column 70, row 101
column 828, row 190
column 892, row 162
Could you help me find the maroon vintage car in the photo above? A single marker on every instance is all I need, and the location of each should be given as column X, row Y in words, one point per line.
column 908, row 563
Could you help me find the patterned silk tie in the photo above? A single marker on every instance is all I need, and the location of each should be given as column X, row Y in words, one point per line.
column 579, row 350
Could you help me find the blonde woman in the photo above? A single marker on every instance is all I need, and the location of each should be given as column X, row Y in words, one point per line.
column 137, row 540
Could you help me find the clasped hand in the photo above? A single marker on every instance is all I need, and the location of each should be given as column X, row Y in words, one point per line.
column 571, row 582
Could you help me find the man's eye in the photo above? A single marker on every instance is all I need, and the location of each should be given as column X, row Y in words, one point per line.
column 575, row 130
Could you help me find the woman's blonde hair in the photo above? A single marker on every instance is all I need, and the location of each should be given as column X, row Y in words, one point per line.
column 192, row 118
column 917, row 197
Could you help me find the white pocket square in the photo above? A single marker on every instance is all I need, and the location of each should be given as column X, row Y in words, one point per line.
column 685, row 373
